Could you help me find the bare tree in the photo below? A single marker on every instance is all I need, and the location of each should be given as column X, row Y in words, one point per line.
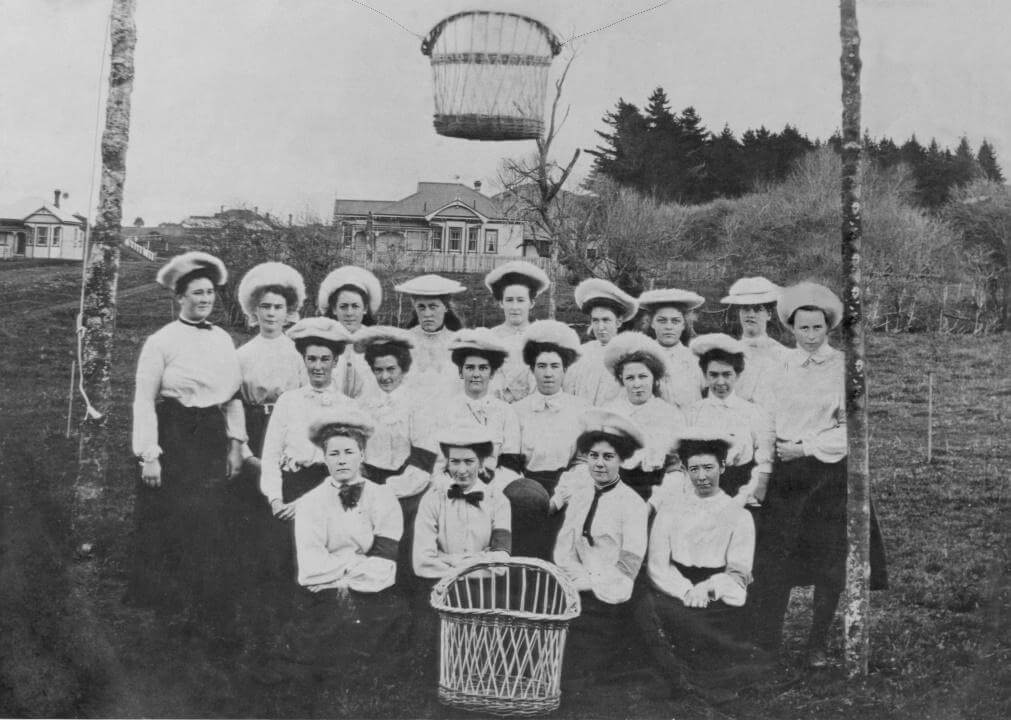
column 858, row 498
column 98, row 315
column 533, row 184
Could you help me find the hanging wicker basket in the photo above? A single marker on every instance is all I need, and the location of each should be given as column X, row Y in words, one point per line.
column 502, row 636
column 490, row 71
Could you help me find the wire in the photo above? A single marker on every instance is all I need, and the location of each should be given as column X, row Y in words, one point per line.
column 89, row 408
column 616, row 22
column 391, row 19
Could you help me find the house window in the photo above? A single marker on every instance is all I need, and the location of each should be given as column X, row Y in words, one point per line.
column 472, row 235
column 455, row 235
column 415, row 240
column 437, row 238
column 42, row 236
column 491, row 241
column 57, row 232
column 544, row 248
column 348, row 236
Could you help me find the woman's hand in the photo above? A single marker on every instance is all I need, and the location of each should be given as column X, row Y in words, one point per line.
column 787, row 450
column 697, row 597
column 234, row 462
column 150, row 472
column 282, row 510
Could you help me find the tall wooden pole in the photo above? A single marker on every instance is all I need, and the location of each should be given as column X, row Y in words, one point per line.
column 858, row 502
column 98, row 316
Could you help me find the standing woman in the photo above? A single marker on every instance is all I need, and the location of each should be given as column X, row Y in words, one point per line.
column 434, row 323
column 747, row 426
column 754, row 299
column 549, row 416
column 608, row 308
column 352, row 296
column 802, row 526
column 639, row 364
column 188, row 432
column 515, row 285
column 670, row 321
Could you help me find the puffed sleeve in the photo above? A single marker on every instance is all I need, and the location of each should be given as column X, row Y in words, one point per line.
column 150, row 367
column 273, row 449
column 829, row 445
column 235, row 420
column 763, row 432
column 316, row 564
column 510, row 432
column 633, row 537
column 386, row 516
column 662, row 573
column 731, row 585
column 428, row 560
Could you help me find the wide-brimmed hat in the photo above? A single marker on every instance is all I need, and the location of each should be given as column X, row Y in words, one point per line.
column 809, row 294
column 468, row 436
column 320, row 327
column 265, row 275
column 702, row 435
column 685, row 300
column 480, row 339
column 382, row 335
column 356, row 277
column 633, row 343
column 182, row 265
column 552, row 332
column 716, row 341
column 517, row 272
column 752, row 291
column 611, row 423
column 430, row 286
column 594, row 290
column 345, row 416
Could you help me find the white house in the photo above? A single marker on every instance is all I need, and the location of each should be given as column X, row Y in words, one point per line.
column 47, row 232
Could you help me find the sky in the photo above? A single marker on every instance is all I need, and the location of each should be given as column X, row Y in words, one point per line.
column 284, row 105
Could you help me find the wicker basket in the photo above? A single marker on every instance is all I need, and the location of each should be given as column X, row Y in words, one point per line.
column 502, row 636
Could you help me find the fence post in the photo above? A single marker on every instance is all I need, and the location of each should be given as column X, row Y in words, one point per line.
column 930, row 416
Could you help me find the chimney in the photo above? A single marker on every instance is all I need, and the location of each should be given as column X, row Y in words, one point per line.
column 56, row 198
column 477, row 185
column 221, row 210
column 256, row 209
column 289, row 219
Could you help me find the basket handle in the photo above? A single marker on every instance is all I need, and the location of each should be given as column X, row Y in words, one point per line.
column 441, row 589
column 435, row 32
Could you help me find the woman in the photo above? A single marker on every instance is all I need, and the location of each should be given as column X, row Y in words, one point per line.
column 639, row 364
column 701, row 550
column 802, row 526
column 608, row 308
column 464, row 520
column 549, row 416
column 754, row 300
column 352, row 296
column 670, row 313
column 515, row 286
column 188, row 432
column 747, row 425
column 602, row 541
column 433, row 325
column 400, row 454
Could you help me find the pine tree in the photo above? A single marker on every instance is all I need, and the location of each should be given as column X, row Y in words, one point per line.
column 725, row 165
column 622, row 156
column 987, row 159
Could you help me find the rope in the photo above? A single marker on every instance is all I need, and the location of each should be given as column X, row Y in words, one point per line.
column 616, row 22
column 391, row 19
column 89, row 408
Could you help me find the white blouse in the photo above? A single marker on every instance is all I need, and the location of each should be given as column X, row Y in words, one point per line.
column 549, row 427
column 399, row 425
column 806, row 399
column 608, row 567
column 496, row 415
column 514, row 381
column 749, row 426
column 454, row 533
column 661, row 422
column 269, row 367
column 684, row 381
column 286, row 444
column 432, row 369
column 331, row 543
column 590, row 379
column 353, row 375
column 197, row 368
column 762, row 356
column 711, row 532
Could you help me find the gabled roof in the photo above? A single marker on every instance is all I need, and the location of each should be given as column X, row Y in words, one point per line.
column 60, row 214
column 428, row 198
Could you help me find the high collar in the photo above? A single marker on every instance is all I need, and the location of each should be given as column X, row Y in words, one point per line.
column 819, row 356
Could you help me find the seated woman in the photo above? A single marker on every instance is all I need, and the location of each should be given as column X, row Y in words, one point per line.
column 748, row 427
column 608, row 308
column 464, row 520
column 671, row 312
column 638, row 363
column 399, row 454
column 701, row 550
column 602, row 541
column 352, row 296
column 549, row 416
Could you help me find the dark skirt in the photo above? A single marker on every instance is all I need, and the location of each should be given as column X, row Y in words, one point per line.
column 600, row 639
column 297, row 483
column 257, row 417
column 531, row 523
column 548, row 479
column 405, row 550
column 642, row 481
column 801, row 528
column 735, row 477
column 178, row 562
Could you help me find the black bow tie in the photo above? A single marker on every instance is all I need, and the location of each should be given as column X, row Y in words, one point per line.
column 457, row 493
column 350, row 495
column 202, row 325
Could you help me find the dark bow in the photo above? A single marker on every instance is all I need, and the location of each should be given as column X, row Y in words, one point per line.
column 350, row 495
column 457, row 493
column 202, row 325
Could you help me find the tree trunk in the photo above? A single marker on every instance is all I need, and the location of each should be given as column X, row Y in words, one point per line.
column 98, row 316
column 858, row 503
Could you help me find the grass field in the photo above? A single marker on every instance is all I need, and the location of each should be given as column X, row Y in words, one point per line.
column 939, row 638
